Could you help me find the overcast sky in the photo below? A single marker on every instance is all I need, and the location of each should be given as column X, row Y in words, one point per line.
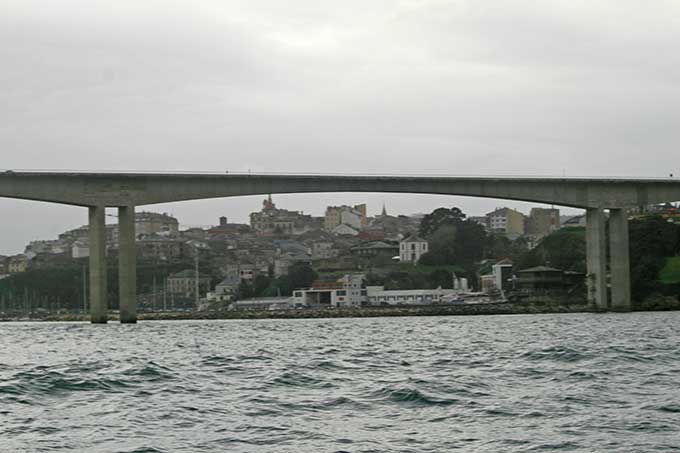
column 433, row 86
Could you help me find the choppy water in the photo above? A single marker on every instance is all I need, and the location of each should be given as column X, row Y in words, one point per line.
column 494, row 383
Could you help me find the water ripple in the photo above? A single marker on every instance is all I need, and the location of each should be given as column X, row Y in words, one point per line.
column 584, row 382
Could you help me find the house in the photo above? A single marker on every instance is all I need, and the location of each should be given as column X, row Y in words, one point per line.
column 412, row 248
column 184, row 283
column 49, row 247
column 345, row 230
column 225, row 290
column 283, row 262
column 321, row 250
column 229, row 229
column 544, row 279
column 195, row 233
column 354, row 216
column 541, row 222
column 80, row 249
column 270, row 220
column 155, row 223
column 506, row 221
column 375, row 248
column 500, row 279
column 17, row 264
column 159, row 247
column 348, row 291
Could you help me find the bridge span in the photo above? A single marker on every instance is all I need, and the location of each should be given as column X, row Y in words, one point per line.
column 126, row 191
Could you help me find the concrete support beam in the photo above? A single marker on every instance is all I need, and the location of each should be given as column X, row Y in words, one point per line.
column 620, row 259
column 596, row 258
column 127, row 271
column 98, row 291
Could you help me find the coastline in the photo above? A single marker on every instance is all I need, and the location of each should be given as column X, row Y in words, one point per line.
column 366, row 312
column 501, row 308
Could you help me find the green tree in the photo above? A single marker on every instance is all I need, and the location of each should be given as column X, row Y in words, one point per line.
column 301, row 275
column 453, row 239
column 261, row 284
column 564, row 249
column 244, row 291
column 438, row 218
column 652, row 239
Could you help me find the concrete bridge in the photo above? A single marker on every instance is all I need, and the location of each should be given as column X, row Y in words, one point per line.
column 96, row 191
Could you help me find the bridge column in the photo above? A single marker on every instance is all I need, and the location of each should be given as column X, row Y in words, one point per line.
column 127, row 265
column 97, row 238
column 620, row 259
column 596, row 258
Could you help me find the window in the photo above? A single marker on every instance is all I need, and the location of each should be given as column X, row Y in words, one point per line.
column 341, row 293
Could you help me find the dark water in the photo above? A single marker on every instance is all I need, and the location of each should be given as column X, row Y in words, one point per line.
column 485, row 384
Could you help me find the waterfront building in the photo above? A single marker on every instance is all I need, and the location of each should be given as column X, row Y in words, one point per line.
column 225, row 291
column 263, row 303
column 377, row 295
column 548, row 280
column 184, row 283
column 348, row 291
column 500, row 279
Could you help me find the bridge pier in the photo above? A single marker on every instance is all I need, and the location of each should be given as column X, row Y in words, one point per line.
column 596, row 258
column 619, row 259
column 97, row 239
column 127, row 273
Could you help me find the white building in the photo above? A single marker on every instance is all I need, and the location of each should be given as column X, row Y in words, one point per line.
column 349, row 291
column 412, row 248
column 155, row 223
column 80, row 249
column 345, row 230
column 377, row 295
column 499, row 278
column 353, row 216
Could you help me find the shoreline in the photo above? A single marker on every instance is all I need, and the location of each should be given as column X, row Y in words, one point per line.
column 506, row 308
column 365, row 312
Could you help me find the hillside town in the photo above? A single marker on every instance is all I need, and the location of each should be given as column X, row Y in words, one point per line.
column 286, row 259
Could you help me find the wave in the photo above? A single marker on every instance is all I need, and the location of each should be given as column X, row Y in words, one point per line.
column 411, row 396
column 555, row 353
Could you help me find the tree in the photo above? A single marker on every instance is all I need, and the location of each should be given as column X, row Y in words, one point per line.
column 442, row 247
column 439, row 217
column 652, row 239
column 301, row 275
column 261, row 284
column 244, row 291
column 564, row 249
column 452, row 238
